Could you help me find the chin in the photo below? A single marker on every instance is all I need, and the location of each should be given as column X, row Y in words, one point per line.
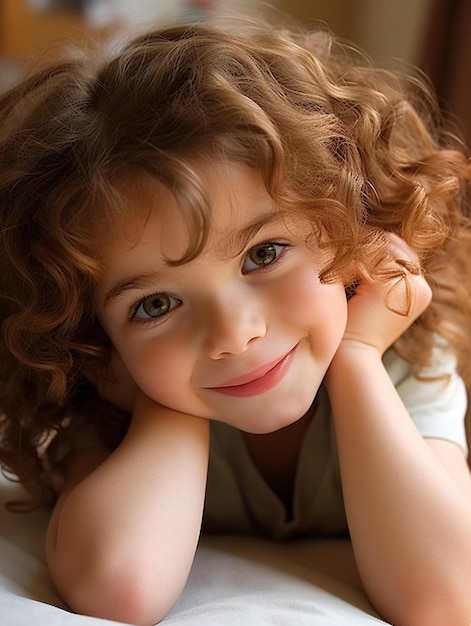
column 272, row 425
column 272, row 415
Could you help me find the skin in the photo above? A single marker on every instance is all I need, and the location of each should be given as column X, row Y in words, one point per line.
column 121, row 525
column 234, row 316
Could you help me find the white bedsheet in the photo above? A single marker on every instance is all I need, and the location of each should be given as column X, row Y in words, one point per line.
column 234, row 581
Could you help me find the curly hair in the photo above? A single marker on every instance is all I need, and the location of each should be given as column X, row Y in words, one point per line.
column 358, row 149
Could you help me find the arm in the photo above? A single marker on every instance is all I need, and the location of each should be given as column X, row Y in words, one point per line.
column 408, row 502
column 124, row 532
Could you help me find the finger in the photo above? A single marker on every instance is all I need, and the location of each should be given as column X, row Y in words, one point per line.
column 403, row 255
column 400, row 262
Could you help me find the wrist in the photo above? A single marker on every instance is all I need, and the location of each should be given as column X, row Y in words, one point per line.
column 350, row 348
column 353, row 358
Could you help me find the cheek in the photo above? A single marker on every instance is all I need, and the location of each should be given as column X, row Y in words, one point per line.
column 319, row 309
column 161, row 369
column 314, row 303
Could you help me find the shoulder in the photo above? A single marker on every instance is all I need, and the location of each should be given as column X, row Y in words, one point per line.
column 442, row 364
column 436, row 397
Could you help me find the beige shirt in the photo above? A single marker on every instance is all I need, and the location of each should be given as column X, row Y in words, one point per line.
column 238, row 500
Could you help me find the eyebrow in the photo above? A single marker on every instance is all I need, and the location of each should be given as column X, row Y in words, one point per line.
column 234, row 243
column 134, row 283
column 231, row 246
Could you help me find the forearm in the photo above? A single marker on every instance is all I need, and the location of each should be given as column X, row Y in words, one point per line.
column 122, row 541
column 408, row 520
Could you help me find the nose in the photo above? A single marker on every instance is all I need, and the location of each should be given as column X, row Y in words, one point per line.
column 233, row 323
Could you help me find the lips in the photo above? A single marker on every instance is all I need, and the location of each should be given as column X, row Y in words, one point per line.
column 258, row 381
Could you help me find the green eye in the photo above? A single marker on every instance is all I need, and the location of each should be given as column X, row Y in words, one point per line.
column 262, row 255
column 155, row 306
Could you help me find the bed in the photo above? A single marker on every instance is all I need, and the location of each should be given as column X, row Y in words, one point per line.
column 235, row 581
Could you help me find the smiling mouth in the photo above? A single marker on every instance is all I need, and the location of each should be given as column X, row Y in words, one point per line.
column 258, row 381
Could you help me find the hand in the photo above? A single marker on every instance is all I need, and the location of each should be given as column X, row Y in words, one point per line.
column 114, row 383
column 382, row 310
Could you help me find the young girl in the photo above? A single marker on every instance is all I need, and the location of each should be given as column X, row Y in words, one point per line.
column 248, row 248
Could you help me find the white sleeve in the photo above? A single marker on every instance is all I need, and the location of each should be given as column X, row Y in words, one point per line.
column 437, row 405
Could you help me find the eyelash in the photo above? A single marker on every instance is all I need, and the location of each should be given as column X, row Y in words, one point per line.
column 276, row 260
column 264, row 268
column 147, row 320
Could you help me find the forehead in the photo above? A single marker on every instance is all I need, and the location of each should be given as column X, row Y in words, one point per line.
column 239, row 205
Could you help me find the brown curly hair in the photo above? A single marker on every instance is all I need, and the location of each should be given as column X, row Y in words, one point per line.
column 358, row 149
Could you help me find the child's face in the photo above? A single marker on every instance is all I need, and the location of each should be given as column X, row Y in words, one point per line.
column 242, row 334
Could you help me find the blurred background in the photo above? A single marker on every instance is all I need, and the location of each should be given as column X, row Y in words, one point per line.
column 433, row 34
